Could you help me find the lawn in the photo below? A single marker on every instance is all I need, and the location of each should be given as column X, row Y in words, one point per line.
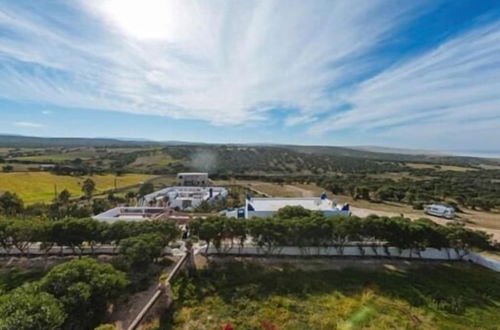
column 248, row 296
column 35, row 187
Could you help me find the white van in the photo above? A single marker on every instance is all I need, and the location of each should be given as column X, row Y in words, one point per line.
column 444, row 211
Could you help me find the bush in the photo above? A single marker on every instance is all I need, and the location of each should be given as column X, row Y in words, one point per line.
column 26, row 308
column 84, row 287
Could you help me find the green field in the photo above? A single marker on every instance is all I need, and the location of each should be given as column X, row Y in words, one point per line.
column 435, row 296
column 59, row 157
column 35, row 187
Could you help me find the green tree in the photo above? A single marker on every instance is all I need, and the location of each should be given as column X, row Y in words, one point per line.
column 7, row 168
column 11, row 204
column 362, row 192
column 5, row 238
column 23, row 233
column 130, row 195
column 85, row 288
column 75, row 232
column 64, row 196
column 142, row 250
column 146, row 188
column 289, row 212
column 28, row 309
column 88, row 188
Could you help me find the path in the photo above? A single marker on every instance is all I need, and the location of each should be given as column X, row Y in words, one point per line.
column 364, row 212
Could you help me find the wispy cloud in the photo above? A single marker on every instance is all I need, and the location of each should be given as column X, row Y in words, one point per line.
column 299, row 120
column 46, row 112
column 446, row 92
column 221, row 62
column 318, row 64
column 27, row 124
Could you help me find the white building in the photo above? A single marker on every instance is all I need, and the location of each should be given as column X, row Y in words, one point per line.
column 182, row 198
column 131, row 214
column 142, row 213
column 192, row 179
column 267, row 207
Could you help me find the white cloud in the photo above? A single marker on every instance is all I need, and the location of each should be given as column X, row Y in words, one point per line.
column 299, row 120
column 220, row 61
column 46, row 112
column 447, row 95
column 27, row 124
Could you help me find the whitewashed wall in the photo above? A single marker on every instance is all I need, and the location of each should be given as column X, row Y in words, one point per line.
column 364, row 251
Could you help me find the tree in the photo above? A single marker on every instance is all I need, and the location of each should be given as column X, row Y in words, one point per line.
column 130, row 197
column 64, row 196
column 23, row 233
column 362, row 192
column 74, row 232
column 146, row 188
column 88, row 188
column 142, row 250
column 5, row 238
column 289, row 212
column 11, row 204
column 26, row 308
column 7, row 168
column 85, row 288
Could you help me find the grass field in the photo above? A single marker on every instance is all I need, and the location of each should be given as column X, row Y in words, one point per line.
column 35, row 187
column 439, row 167
column 58, row 158
column 151, row 162
column 249, row 296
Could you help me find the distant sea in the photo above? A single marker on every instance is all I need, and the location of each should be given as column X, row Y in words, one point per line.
column 476, row 153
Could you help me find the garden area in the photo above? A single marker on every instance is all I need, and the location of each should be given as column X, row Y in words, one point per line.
column 246, row 295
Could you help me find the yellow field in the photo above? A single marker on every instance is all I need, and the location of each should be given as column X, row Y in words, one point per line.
column 35, row 187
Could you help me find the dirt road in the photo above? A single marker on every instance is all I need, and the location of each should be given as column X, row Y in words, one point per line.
column 364, row 212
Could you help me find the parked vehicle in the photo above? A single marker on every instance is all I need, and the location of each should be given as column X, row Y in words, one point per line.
column 438, row 210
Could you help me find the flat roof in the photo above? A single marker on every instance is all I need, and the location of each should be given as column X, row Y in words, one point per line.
column 274, row 204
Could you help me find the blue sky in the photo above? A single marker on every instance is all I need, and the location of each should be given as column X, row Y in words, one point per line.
column 416, row 74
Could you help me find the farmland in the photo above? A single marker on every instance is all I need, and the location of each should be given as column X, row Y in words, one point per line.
column 35, row 187
column 282, row 296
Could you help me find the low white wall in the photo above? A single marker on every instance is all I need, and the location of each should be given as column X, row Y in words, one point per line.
column 349, row 251
column 363, row 251
column 483, row 261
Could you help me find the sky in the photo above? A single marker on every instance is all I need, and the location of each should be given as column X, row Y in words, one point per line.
column 411, row 74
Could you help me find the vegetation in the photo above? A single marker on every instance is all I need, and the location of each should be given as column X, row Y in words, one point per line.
column 78, row 233
column 73, row 295
column 35, row 187
column 412, row 179
column 142, row 250
column 295, row 226
column 24, row 309
column 84, row 287
column 248, row 296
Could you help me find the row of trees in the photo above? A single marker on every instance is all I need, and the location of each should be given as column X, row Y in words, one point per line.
column 74, row 295
column 79, row 234
column 295, row 226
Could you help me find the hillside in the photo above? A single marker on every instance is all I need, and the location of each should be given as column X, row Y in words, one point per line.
column 385, row 154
